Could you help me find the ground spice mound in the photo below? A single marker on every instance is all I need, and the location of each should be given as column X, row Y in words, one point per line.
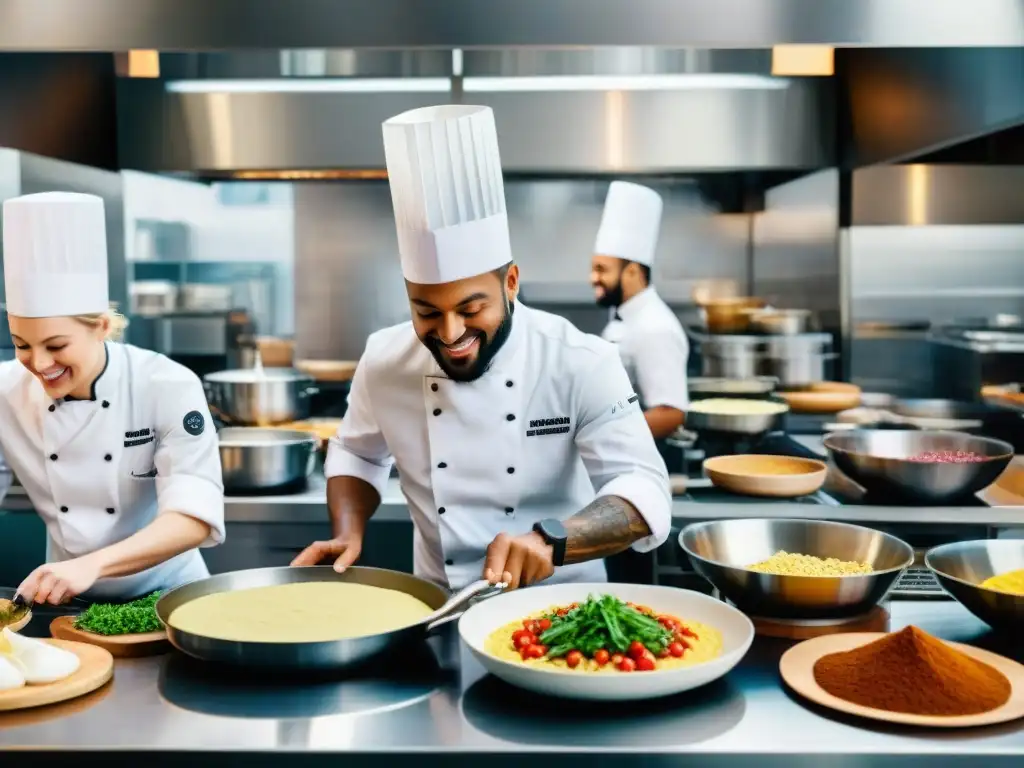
column 912, row 672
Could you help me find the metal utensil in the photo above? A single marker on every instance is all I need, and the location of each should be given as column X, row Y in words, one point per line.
column 879, row 461
column 721, row 386
column 333, row 654
column 962, row 566
column 737, row 423
column 255, row 459
column 247, row 397
column 722, row 550
column 781, row 322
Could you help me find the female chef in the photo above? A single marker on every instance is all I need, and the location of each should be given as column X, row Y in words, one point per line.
column 113, row 444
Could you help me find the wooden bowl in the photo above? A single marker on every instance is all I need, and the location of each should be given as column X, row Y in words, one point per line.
column 328, row 370
column 823, row 397
column 783, row 477
column 730, row 315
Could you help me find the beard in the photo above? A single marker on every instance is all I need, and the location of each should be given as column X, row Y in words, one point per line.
column 612, row 296
column 471, row 370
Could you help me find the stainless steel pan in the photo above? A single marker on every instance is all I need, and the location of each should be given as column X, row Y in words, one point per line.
column 334, row 654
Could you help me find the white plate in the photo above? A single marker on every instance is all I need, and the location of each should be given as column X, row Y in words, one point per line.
column 488, row 615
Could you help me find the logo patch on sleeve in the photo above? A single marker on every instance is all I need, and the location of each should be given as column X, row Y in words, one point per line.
column 194, row 423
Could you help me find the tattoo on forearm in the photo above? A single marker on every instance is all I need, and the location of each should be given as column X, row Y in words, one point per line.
column 605, row 527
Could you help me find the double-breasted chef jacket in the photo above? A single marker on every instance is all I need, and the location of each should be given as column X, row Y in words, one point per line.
column 99, row 470
column 654, row 349
column 551, row 425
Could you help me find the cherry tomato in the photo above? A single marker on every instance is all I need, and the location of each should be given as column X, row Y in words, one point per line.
column 617, row 658
column 602, row 656
column 534, row 627
column 636, row 649
column 676, row 649
column 519, row 633
column 626, row 665
column 682, row 640
column 525, row 640
column 686, row 632
column 562, row 611
column 667, row 623
column 544, row 624
column 533, row 652
column 573, row 659
column 663, row 653
column 645, row 664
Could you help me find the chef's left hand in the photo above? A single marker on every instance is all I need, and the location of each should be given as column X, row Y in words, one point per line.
column 56, row 583
column 518, row 561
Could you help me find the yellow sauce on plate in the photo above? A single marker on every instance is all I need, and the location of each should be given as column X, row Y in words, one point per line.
column 705, row 647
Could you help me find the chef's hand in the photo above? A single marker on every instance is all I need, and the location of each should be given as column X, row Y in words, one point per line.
column 519, row 561
column 343, row 550
column 56, row 583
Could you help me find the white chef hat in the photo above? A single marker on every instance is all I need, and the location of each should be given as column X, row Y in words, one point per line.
column 447, row 190
column 55, row 255
column 630, row 223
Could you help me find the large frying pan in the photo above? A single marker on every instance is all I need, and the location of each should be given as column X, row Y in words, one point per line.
column 334, row 654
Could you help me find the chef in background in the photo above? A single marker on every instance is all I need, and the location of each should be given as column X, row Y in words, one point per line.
column 647, row 332
column 113, row 444
column 520, row 446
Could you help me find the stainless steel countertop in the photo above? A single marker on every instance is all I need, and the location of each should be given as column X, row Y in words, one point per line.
column 450, row 708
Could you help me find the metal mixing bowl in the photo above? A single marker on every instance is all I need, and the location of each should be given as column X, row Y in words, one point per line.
column 722, row 550
column 877, row 459
column 962, row 566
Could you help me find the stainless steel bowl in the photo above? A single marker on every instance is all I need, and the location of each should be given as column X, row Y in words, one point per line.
column 737, row 423
column 722, row 550
column 781, row 322
column 962, row 566
column 255, row 459
column 250, row 397
column 878, row 460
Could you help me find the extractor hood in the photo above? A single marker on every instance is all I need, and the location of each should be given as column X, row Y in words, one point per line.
column 564, row 112
column 190, row 25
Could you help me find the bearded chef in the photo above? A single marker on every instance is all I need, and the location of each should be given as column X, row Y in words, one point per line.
column 113, row 444
column 520, row 446
column 647, row 332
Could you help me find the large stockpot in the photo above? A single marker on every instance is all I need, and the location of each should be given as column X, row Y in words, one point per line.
column 730, row 357
column 255, row 397
column 797, row 361
column 255, row 459
column 332, row 654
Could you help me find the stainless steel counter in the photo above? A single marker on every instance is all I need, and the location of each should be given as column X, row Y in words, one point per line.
column 443, row 709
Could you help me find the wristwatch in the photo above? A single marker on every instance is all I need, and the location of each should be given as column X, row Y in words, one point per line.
column 554, row 533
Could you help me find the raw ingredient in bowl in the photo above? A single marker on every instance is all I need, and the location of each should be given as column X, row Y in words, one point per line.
column 791, row 564
column 131, row 618
column 9, row 614
column 735, row 406
column 947, row 457
column 604, row 635
column 1012, row 582
column 912, row 672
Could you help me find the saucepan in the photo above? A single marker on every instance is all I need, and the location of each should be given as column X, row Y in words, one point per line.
column 333, row 654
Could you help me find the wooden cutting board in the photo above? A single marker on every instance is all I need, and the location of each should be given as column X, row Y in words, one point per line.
column 119, row 646
column 95, row 671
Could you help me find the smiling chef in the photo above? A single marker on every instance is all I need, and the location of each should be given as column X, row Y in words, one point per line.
column 519, row 442
column 113, row 444
column 649, row 336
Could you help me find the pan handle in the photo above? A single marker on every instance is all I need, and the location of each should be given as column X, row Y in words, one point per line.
column 450, row 611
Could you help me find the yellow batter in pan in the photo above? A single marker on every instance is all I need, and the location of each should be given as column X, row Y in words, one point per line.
column 306, row 612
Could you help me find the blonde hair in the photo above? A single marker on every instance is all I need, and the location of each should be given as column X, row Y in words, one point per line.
column 116, row 322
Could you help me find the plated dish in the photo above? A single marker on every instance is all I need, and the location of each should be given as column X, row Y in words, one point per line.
column 606, row 641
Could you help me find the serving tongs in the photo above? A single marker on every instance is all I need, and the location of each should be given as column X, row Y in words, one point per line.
column 478, row 590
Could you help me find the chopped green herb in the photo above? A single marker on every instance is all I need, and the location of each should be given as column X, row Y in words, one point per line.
column 603, row 622
column 121, row 618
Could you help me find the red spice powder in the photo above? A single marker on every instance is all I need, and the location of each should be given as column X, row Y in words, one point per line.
column 912, row 672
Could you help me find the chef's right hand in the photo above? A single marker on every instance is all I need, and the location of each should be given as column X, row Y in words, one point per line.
column 343, row 550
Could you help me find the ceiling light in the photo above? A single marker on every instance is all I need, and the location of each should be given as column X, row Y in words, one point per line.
column 314, row 85
column 803, row 60
column 623, row 83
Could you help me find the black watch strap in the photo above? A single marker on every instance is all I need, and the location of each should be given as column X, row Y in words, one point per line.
column 554, row 533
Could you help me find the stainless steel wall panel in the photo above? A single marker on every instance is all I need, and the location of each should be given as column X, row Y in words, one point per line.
column 186, row 25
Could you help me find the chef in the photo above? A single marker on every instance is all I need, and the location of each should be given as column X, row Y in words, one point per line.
column 113, row 444
column 520, row 446
column 648, row 334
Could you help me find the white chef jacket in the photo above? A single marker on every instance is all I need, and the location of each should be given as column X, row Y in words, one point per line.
column 550, row 426
column 654, row 350
column 99, row 470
